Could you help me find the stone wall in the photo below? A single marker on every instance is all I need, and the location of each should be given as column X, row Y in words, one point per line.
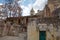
column 8, row 29
column 52, row 30
column 32, row 33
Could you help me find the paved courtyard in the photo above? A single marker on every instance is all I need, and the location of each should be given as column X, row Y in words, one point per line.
column 22, row 36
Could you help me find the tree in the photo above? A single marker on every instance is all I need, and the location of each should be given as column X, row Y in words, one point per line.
column 14, row 8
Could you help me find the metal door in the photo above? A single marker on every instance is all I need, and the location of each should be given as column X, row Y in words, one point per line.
column 42, row 35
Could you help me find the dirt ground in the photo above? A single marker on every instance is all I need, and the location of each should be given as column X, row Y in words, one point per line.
column 22, row 36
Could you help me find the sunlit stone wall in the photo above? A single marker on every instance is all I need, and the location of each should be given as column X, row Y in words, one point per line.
column 52, row 31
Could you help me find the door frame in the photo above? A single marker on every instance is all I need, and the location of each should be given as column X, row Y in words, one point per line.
column 45, row 32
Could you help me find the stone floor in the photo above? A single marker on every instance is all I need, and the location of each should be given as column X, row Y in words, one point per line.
column 22, row 36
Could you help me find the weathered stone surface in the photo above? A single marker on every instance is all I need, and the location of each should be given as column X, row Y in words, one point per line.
column 32, row 33
column 22, row 36
column 1, row 28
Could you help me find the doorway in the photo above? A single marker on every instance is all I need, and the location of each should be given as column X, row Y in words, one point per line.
column 42, row 35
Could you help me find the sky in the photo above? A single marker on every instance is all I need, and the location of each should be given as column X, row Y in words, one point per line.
column 27, row 5
column 5, row 1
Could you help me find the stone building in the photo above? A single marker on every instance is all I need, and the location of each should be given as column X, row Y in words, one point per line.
column 44, row 26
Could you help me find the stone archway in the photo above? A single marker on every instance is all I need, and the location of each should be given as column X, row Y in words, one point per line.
column 56, row 12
